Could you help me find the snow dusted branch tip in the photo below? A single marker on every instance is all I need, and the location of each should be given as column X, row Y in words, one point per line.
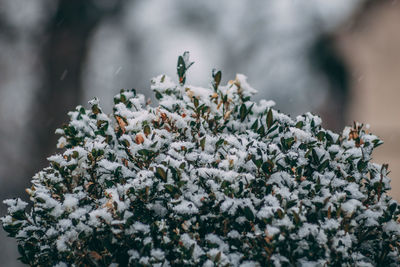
column 206, row 178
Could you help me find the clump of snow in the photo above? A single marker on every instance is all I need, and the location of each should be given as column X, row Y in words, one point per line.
column 186, row 207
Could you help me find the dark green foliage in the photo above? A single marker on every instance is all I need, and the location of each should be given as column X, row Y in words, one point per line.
column 207, row 178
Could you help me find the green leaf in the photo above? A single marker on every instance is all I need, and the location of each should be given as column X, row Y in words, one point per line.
column 144, row 152
column 181, row 68
column 158, row 95
column 377, row 142
column 361, row 165
column 255, row 125
column 338, row 211
column 125, row 143
column 300, row 124
column 261, row 130
column 181, row 183
column 23, row 257
column 392, row 207
column 219, row 142
column 267, row 166
column 296, row 217
column 257, row 162
column 217, row 79
column 280, row 214
column 218, row 257
column 154, row 144
column 242, row 112
column 202, row 143
column 290, row 204
column 96, row 109
column 19, row 215
column 321, row 135
column 225, row 184
column 146, row 130
column 323, row 165
column 315, row 157
column 75, row 154
column 161, row 173
column 273, row 128
column 169, row 188
column 329, row 138
column 248, row 213
column 270, row 118
column 191, row 250
column 288, row 142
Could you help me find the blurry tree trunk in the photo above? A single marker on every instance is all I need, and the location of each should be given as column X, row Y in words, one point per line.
column 327, row 60
column 63, row 57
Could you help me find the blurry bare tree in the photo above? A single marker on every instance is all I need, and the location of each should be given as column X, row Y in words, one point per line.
column 327, row 60
column 63, row 58
column 61, row 54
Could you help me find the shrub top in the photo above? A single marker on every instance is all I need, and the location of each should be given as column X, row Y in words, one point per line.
column 207, row 177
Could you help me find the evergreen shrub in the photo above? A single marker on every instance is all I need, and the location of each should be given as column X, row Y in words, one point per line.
column 206, row 178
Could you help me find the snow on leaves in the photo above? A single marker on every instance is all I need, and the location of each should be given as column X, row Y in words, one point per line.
column 208, row 178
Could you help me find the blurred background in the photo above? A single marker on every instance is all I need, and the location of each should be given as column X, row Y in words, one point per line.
column 337, row 58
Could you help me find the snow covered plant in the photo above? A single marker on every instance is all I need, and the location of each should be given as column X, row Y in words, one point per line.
column 206, row 178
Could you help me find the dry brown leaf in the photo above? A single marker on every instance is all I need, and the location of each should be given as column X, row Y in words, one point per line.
column 125, row 162
column 109, row 204
column 139, row 139
column 164, row 116
column 96, row 256
column 219, row 105
column 184, row 226
column 361, row 142
column 189, row 93
column 121, row 123
column 227, row 114
column 268, row 250
column 87, row 185
column 353, row 135
column 231, row 162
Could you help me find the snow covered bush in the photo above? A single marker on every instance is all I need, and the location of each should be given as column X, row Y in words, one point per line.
column 206, row 178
